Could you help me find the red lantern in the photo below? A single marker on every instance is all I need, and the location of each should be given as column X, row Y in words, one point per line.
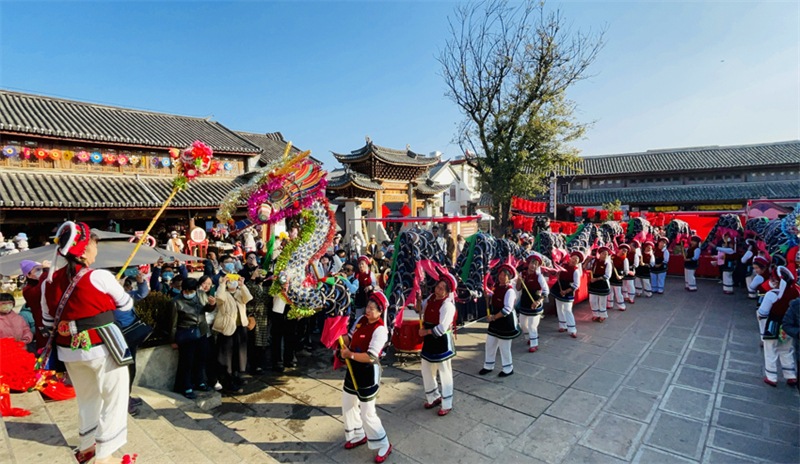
column 603, row 215
column 633, row 214
column 617, row 215
column 591, row 212
column 385, row 211
column 578, row 211
column 405, row 210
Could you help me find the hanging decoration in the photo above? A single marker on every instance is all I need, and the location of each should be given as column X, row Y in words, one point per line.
column 166, row 162
column 41, row 153
column 25, row 153
column 228, row 166
column 55, row 155
column 96, row 157
column 110, row 158
column 68, row 155
column 135, row 160
column 122, row 160
column 174, row 153
column 9, row 151
column 83, row 156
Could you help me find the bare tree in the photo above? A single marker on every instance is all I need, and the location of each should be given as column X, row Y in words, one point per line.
column 508, row 69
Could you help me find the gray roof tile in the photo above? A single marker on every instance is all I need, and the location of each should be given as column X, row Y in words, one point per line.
column 272, row 145
column 340, row 178
column 688, row 159
column 54, row 117
column 711, row 193
column 387, row 155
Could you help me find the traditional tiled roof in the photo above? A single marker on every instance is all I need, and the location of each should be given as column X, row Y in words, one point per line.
column 686, row 193
column 429, row 187
column 341, row 178
column 272, row 145
column 387, row 155
column 67, row 119
column 691, row 159
column 39, row 189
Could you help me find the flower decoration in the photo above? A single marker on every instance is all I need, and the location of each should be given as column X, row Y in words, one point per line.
column 96, row 157
column 68, row 155
column 156, row 161
column 110, row 158
column 193, row 161
column 9, row 151
column 228, row 166
column 25, row 153
column 135, row 160
column 83, row 156
column 166, row 162
column 41, row 153
column 174, row 153
column 122, row 160
column 55, row 155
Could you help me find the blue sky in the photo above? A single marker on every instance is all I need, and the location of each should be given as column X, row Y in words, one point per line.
column 326, row 74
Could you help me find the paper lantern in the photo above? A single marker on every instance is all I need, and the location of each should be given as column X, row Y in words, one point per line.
column 83, row 156
column 617, row 215
column 591, row 212
column 578, row 211
column 9, row 151
column 603, row 215
column 405, row 210
column 41, row 153
column 55, row 155
column 634, row 214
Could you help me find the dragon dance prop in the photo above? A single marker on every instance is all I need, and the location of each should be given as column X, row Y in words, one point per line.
column 194, row 161
column 779, row 235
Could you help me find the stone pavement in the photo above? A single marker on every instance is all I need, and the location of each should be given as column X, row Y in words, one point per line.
column 676, row 378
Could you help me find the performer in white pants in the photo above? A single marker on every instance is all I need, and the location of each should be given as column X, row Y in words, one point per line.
column 599, row 287
column 619, row 269
column 729, row 265
column 629, row 279
column 691, row 256
column 770, row 316
column 646, row 261
column 88, row 298
column 532, row 288
column 658, row 271
column 503, row 325
column 363, row 348
column 438, row 347
column 569, row 280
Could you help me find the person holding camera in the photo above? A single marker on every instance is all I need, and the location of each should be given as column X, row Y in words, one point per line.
column 190, row 337
column 231, row 324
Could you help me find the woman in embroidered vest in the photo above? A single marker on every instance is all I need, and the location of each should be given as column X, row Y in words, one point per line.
column 599, row 287
column 629, row 279
column 503, row 325
column 619, row 269
column 101, row 385
column 642, row 272
column 532, row 288
column 778, row 346
column 658, row 271
column 691, row 256
column 438, row 316
column 363, row 348
column 569, row 280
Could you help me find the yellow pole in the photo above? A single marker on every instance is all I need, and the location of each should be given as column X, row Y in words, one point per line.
column 347, row 361
column 147, row 231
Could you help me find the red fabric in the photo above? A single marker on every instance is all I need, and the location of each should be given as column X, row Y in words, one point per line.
column 578, row 211
column 405, row 210
column 440, row 220
column 385, row 211
column 363, row 334
column 86, row 300
column 498, row 298
column 334, row 328
column 603, row 215
column 617, row 215
column 432, row 311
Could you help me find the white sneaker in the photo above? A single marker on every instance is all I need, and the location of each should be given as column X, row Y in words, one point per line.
column 218, row 386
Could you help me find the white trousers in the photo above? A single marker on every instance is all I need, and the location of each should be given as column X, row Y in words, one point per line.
column 749, row 280
column 566, row 320
column 783, row 351
column 688, row 277
column 101, row 388
column 657, row 281
column 629, row 289
column 643, row 287
column 445, row 370
column 530, row 325
column 619, row 297
column 727, row 281
column 598, row 304
column 361, row 417
column 492, row 344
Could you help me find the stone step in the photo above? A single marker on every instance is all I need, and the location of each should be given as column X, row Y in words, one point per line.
column 35, row 438
column 218, row 443
column 6, row 454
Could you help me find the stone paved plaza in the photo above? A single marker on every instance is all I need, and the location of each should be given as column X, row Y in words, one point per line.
column 674, row 379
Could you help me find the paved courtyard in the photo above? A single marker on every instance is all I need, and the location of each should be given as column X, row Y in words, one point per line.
column 676, row 378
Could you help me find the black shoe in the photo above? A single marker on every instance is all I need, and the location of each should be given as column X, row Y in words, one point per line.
column 290, row 364
column 190, row 394
column 204, row 388
column 135, row 401
column 233, row 390
column 133, row 410
column 277, row 368
column 503, row 374
column 484, row 371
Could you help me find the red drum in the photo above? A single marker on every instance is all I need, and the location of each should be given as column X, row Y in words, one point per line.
column 406, row 337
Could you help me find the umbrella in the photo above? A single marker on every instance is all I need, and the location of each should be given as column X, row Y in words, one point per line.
column 110, row 254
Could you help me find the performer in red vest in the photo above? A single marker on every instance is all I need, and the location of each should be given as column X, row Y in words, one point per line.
column 691, row 256
column 770, row 316
column 629, row 279
column 619, row 269
column 658, row 271
column 599, row 288
column 438, row 347
column 90, row 298
column 363, row 348
column 646, row 261
column 503, row 325
column 367, row 282
column 569, row 280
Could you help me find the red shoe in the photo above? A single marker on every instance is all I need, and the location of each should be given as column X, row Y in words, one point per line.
column 770, row 382
column 631, row 302
column 574, row 335
column 353, row 444
column 622, row 309
column 562, row 330
column 533, row 349
column 85, row 456
column 791, row 382
column 443, row 412
column 435, row 403
column 379, row 459
column 601, row 319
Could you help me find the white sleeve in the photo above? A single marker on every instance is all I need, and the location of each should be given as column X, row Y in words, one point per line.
column 609, row 266
column 746, row 256
column 626, row 268
column 446, row 315
column 576, row 278
column 637, row 259
column 666, row 257
column 652, row 260
column 509, row 301
column 766, row 304
column 379, row 338
column 756, row 282
column 47, row 318
column 106, row 283
column 727, row 251
column 543, row 285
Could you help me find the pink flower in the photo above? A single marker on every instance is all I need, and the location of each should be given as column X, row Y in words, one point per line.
column 201, row 150
column 191, row 173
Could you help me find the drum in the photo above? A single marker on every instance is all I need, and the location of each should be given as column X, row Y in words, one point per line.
column 406, row 337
